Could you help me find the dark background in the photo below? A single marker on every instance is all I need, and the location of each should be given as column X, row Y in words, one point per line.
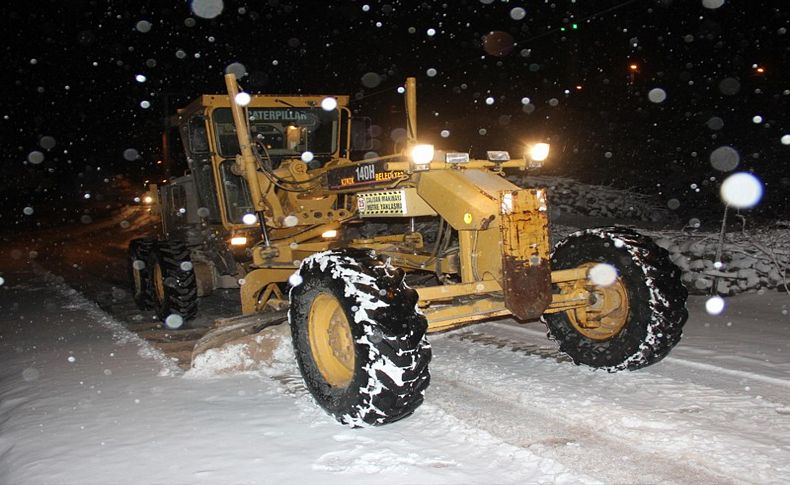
column 70, row 72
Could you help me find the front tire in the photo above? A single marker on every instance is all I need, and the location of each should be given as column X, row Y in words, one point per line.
column 632, row 323
column 139, row 274
column 173, row 285
column 359, row 341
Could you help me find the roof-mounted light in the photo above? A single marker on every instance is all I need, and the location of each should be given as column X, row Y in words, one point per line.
column 456, row 157
column 498, row 156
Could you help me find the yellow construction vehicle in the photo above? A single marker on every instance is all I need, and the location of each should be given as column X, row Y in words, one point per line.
column 274, row 204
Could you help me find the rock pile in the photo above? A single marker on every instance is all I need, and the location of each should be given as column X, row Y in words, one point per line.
column 749, row 260
column 566, row 196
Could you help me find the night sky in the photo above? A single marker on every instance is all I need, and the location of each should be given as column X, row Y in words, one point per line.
column 88, row 84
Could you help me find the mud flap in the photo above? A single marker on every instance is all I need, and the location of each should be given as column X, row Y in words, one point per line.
column 526, row 275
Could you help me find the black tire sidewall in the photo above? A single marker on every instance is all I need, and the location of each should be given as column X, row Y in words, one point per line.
column 172, row 278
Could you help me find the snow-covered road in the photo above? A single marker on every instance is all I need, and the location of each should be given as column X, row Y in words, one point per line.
column 84, row 401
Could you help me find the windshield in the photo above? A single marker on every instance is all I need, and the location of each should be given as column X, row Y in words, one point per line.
column 283, row 131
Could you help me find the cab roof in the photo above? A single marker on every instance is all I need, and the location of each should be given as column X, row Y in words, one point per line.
column 264, row 101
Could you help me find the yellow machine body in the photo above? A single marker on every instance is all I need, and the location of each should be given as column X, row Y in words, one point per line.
column 502, row 263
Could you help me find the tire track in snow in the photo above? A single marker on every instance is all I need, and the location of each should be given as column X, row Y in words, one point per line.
column 682, row 431
column 580, row 447
column 674, row 360
column 731, row 372
column 430, row 422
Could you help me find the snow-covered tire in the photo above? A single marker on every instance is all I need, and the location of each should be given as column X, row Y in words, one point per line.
column 173, row 285
column 139, row 277
column 385, row 354
column 656, row 300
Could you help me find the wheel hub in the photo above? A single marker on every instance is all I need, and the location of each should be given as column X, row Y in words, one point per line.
column 158, row 282
column 607, row 313
column 137, row 280
column 331, row 341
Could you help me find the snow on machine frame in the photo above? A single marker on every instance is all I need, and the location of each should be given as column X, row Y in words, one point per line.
column 274, row 173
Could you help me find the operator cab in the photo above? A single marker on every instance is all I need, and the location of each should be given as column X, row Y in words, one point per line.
column 201, row 146
column 282, row 133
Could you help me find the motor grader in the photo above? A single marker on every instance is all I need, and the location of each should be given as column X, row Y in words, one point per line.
column 273, row 204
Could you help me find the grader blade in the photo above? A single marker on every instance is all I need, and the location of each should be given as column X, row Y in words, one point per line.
column 229, row 329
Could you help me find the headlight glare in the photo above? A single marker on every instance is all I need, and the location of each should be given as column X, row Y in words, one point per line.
column 422, row 154
column 538, row 152
column 238, row 241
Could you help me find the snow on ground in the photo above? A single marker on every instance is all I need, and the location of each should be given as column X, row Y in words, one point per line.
column 715, row 412
column 83, row 401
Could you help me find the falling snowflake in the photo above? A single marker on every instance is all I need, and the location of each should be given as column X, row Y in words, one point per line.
column 603, row 274
column 714, row 305
column 328, row 104
column 207, row 9
column 657, row 95
column 242, row 99
column 724, row 158
column 518, row 13
column 741, row 190
column 35, row 157
column 174, row 321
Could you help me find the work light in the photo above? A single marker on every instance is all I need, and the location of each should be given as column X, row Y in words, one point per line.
column 421, row 156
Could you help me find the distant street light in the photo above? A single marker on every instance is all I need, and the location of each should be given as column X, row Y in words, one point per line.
column 633, row 68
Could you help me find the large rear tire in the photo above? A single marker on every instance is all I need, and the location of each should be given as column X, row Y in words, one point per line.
column 359, row 341
column 173, row 286
column 631, row 323
column 139, row 274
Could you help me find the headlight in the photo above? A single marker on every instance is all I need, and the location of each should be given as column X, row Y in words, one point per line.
column 238, row 241
column 329, row 234
column 421, row 156
column 538, row 152
column 148, row 199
